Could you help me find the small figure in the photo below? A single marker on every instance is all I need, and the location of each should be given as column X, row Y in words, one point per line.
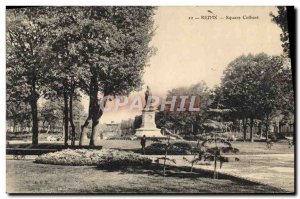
column 290, row 143
column 269, row 144
column 202, row 152
column 143, row 144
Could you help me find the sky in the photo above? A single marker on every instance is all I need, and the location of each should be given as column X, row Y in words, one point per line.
column 194, row 50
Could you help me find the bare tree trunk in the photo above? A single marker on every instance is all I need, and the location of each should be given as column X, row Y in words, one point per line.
column 251, row 130
column 215, row 166
column 43, row 125
column 96, row 109
column 34, row 114
column 244, row 128
column 94, row 134
column 84, row 128
column 14, row 127
column 66, row 118
column 71, row 120
column 267, row 128
column 93, row 98
column 96, row 121
column 260, row 129
column 198, row 143
column 35, row 127
column 84, row 131
column 267, row 132
column 166, row 153
column 48, row 129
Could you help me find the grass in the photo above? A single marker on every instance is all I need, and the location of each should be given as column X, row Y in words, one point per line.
column 26, row 177
column 256, row 163
column 246, row 148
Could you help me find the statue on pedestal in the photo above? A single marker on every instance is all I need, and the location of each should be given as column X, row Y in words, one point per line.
column 148, row 95
column 148, row 126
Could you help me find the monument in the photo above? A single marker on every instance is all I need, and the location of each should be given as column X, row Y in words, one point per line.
column 148, row 127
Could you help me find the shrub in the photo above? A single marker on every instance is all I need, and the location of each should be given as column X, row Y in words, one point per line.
column 273, row 137
column 229, row 150
column 183, row 146
column 178, row 148
column 88, row 157
column 156, row 149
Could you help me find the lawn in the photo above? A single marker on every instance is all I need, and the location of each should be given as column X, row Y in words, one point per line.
column 246, row 148
column 24, row 176
column 273, row 167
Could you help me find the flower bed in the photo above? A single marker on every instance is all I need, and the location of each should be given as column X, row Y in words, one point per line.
column 85, row 157
column 117, row 160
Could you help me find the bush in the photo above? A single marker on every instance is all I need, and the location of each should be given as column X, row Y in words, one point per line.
column 178, row 148
column 86, row 157
column 229, row 150
column 183, row 145
column 273, row 137
column 156, row 149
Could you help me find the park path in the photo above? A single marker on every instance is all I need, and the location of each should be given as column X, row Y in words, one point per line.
column 272, row 169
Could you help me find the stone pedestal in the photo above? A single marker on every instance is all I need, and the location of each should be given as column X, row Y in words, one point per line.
column 148, row 127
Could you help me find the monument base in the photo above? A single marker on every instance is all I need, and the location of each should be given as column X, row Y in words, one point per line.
column 149, row 132
column 148, row 126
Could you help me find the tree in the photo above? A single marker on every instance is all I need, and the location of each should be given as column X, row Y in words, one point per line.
column 137, row 121
column 256, row 87
column 26, row 41
column 50, row 114
column 212, row 149
column 66, row 27
column 18, row 113
column 107, row 46
column 274, row 93
column 127, row 127
column 282, row 21
column 77, row 112
column 165, row 158
column 239, row 88
column 192, row 120
column 114, row 49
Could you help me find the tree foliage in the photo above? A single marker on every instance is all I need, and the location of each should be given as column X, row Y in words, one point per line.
column 114, row 49
column 185, row 119
column 257, row 87
column 56, row 51
column 27, row 61
column 282, row 21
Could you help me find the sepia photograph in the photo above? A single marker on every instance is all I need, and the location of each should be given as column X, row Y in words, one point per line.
column 150, row 100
